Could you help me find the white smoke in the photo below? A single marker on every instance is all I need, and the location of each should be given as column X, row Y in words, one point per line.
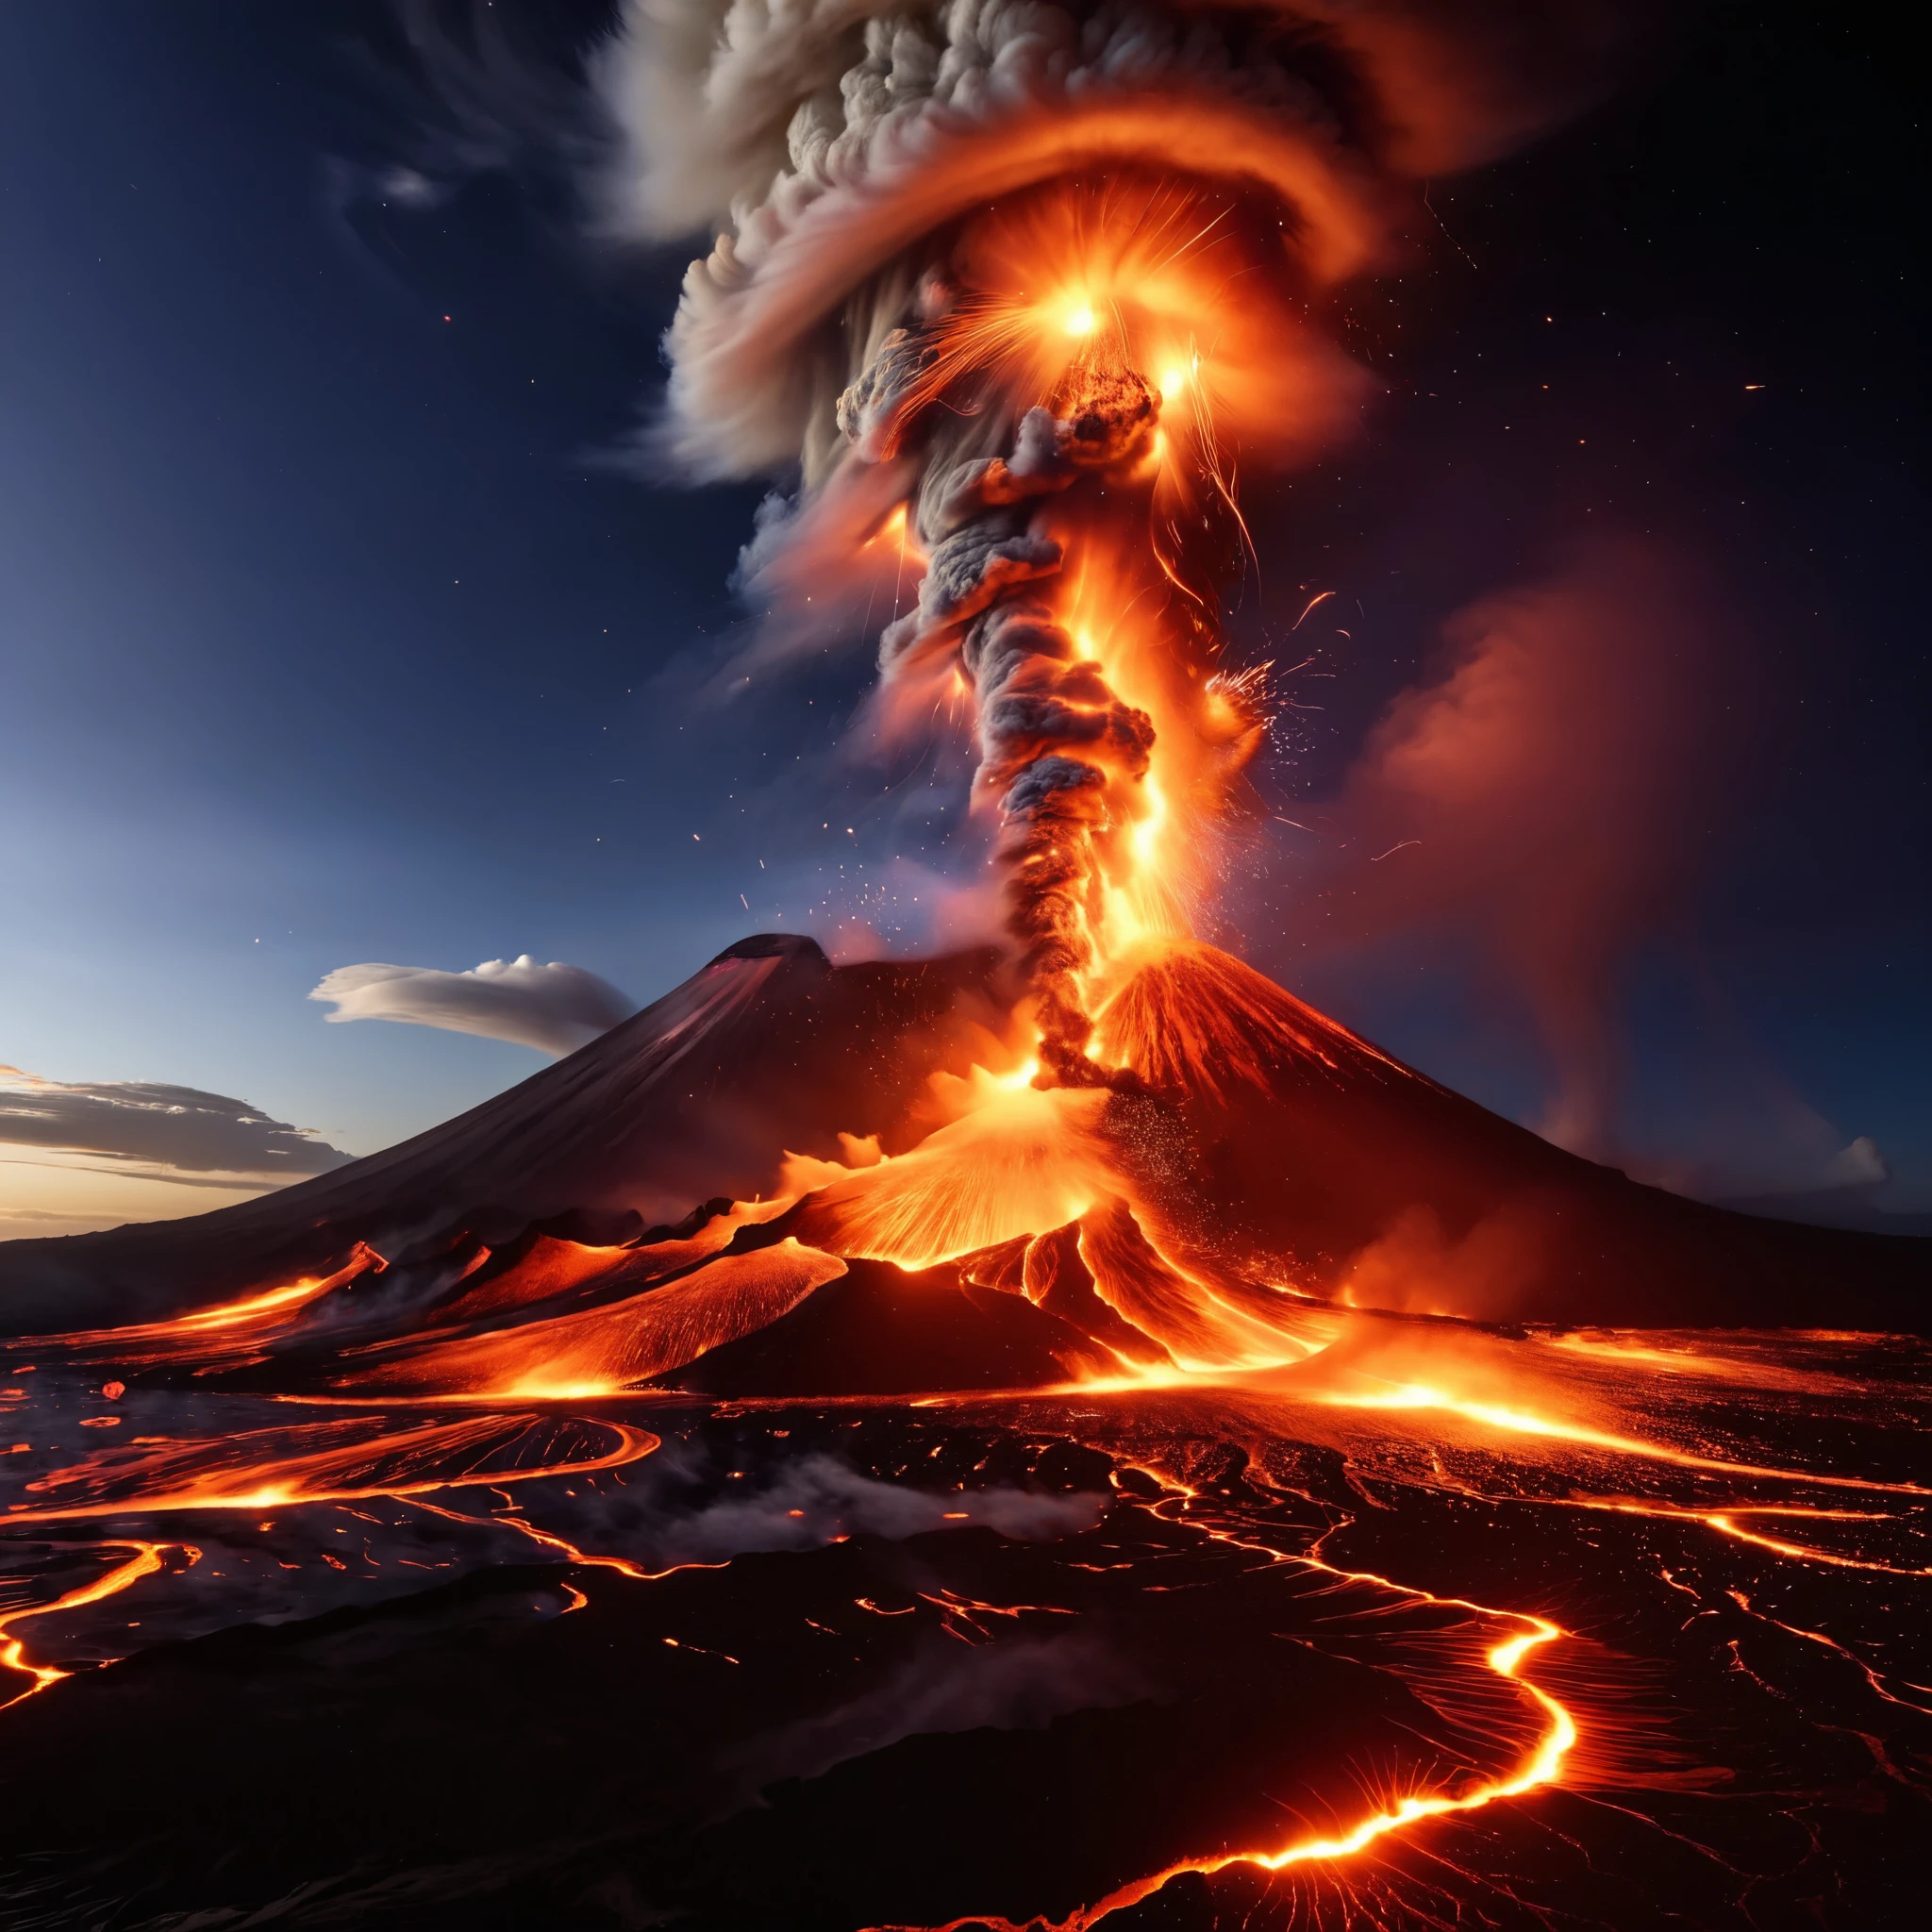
column 1015, row 1685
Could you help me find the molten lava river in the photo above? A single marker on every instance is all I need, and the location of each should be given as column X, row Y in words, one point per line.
column 577, row 1586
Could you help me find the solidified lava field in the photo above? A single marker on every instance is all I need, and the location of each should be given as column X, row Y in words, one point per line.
column 983, row 1660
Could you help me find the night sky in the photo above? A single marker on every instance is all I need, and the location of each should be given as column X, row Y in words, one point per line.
column 340, row 623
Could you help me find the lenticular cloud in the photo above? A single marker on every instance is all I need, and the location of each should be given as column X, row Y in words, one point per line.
column 555, row 1008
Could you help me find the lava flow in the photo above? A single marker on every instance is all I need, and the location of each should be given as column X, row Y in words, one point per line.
column 1541, row 1768
column 145, row 1559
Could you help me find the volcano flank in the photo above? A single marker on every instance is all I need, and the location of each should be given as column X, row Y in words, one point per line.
column 1298, row 1166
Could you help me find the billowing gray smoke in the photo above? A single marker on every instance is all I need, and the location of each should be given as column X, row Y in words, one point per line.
column 1057, row 745
column 828, row 141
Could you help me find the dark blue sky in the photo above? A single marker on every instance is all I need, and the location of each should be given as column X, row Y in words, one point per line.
column 330, row 631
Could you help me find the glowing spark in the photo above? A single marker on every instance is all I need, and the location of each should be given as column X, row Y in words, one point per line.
column 1320, row 597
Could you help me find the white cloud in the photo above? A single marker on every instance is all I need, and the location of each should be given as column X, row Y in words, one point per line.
column 555, row 1008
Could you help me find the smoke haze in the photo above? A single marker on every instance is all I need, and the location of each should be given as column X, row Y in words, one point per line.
column 1553, row 791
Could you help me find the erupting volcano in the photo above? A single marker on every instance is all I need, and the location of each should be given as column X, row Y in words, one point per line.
column 1055, row 1433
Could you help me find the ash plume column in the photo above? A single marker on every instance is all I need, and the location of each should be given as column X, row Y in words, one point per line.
column 1032, row 272
column 1062, row 756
